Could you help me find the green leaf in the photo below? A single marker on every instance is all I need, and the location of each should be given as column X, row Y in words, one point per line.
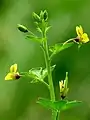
column 34, row 38
column 39, row 30
column 59, row 47
column 45, row 103
column 47, row 28
column 36, row 17
column 38, row 74
column 71, row 104
column 58, row 105
column 35, row 74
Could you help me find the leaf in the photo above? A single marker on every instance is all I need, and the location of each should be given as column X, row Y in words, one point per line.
column 35, row 74
column 45, row 103
column 38, row 74
column 36, row 17
column 34, row 38
column 71, row 104
column 59, row 47
column 58, row 105
column 47, row 29
column 39, row 30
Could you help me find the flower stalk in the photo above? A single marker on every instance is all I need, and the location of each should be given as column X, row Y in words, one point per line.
column 50, row 81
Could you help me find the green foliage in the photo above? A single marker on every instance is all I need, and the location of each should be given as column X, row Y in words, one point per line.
column 36, row 17
column 44, row 15
column 58, row 105
column 50, row 104
column 71, row 104
column 34, row 38
column 41, row 21
column 59, row 47
column 37, row 74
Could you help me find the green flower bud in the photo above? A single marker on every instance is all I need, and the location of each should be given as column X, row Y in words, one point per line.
column 36, row 17
column 45, row 15
column 41, row 15
column 22, row 28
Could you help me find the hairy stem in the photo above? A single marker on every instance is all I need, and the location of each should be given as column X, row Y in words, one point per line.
column 47, row 61
column 50, row 81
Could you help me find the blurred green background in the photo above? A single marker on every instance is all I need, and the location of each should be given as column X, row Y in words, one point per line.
column 18, row 98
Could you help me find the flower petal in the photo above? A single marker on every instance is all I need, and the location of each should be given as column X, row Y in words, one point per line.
column 85, row 38
column 9, row 76
column 13, row 68
column 79, row 31
column 61, row 85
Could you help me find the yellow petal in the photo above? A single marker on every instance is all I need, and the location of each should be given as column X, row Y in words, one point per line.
column 9, row 76
column 85, row 38
column 61, row 84
column 13, row 68
column 79, row 31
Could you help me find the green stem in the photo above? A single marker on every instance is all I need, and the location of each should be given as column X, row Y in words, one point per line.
column 58, row 117
column 47, row 61
column 68, row 41
column 31, row 33
column 42, row 81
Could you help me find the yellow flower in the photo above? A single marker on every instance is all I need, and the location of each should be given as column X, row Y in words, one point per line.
column 61, row 84
column 13, row 74
column 81, row 36
column 63, row 87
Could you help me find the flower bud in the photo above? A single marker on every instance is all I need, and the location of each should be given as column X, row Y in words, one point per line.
column 22, row 28
column 41, row 15
column 45, row 16
column 36, row 17
column 63, row 87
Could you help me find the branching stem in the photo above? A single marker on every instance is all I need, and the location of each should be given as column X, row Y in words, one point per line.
column 48, row 66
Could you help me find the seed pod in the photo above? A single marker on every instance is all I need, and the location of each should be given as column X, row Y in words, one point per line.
column 22, row 28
